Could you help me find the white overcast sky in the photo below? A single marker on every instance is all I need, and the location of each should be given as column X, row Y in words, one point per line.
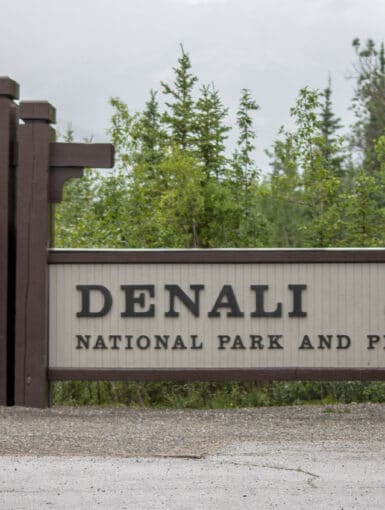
column 78, row 53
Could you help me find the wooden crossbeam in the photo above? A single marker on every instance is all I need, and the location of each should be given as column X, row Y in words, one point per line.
column 93, row 155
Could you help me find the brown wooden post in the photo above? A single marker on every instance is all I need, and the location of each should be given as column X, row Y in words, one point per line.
column 9, row 90
column 32, row 241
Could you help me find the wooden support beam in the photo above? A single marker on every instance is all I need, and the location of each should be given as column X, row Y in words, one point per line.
column 57, row 178
column 9, row 90
column 67, row 161
column 92, row 155
column 31, row 330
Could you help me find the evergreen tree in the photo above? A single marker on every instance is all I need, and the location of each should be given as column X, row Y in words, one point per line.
column 180, row 117
column 369, row 101
column 282, row 193
column 244, row 165
column 364, row 219
column 149, row 136
column 329, row 126
column 211, row 133
column 322, row 188
column 249, row 225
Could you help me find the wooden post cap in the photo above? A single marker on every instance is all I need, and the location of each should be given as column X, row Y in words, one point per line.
column 9, row 88
column 37, row 110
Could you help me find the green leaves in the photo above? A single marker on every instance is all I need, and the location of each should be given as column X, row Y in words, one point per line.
column 369, row 101
column 176, row 185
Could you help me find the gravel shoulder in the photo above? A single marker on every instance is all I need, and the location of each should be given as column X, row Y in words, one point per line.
column 125, row 432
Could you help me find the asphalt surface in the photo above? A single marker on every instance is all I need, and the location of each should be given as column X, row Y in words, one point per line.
column 340, row 466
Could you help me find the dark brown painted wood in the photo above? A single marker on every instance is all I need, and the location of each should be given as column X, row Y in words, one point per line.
column 32, row 241
column 9, row 91
column 9, row 88
column 97, row 155
column 224, row 256
column 4, row 228
column 218, row 374
column 57, row 177
column 37, row 110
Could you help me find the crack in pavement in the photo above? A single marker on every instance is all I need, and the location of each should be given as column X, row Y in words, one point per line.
column 313, row 476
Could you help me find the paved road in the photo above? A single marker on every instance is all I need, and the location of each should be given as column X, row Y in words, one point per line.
column 245, row 476
column 309, row 457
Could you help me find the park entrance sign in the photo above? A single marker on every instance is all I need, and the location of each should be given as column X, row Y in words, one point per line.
column 163, row 314
column 217, row 314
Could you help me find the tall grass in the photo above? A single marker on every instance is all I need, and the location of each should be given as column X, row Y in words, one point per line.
column 207, row 395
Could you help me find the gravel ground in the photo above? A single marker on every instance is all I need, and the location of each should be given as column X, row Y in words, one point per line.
column 124, row 432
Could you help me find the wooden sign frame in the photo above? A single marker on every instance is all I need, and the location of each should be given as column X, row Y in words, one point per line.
column 33, row 170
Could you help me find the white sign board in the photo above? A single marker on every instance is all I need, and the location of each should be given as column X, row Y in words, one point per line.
column 170, row 316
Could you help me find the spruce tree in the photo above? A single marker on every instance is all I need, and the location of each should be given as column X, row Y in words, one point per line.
column 249, row 225
column 179, row 118
column 244, row 165
column 369, row 101
column 211, row 132
column 329, row 125
column 282, row 193
column 322, row 188
column 149, row 138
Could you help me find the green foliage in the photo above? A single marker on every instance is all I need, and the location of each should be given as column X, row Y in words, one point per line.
column 211, row 133
column 329, row 125
column 175, row 185
column 178, row 210
column 244, row 165
column 369, row 101
column 215, row 395
column 179, row 116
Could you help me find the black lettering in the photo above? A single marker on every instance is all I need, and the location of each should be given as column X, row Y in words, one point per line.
column 194, row 339
column 132, row 299
column 86, row 300
column 83, row 341
column 226, row 299
column 115, row 339
column 176, row 292
column 237, row 344
column 128, row 339
column 143, row 342
column 372, row 339
column 343, row 342
column 297, row 300
column 100, row 343
column 306, row 343
column 259, row 303
column 178, row 344
column 223, row 339
column 161, row 342
column 325, row 341
column 256, row 342
column 274, row 342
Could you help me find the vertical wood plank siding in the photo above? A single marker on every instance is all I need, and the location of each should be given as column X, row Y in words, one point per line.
column 345, row 295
